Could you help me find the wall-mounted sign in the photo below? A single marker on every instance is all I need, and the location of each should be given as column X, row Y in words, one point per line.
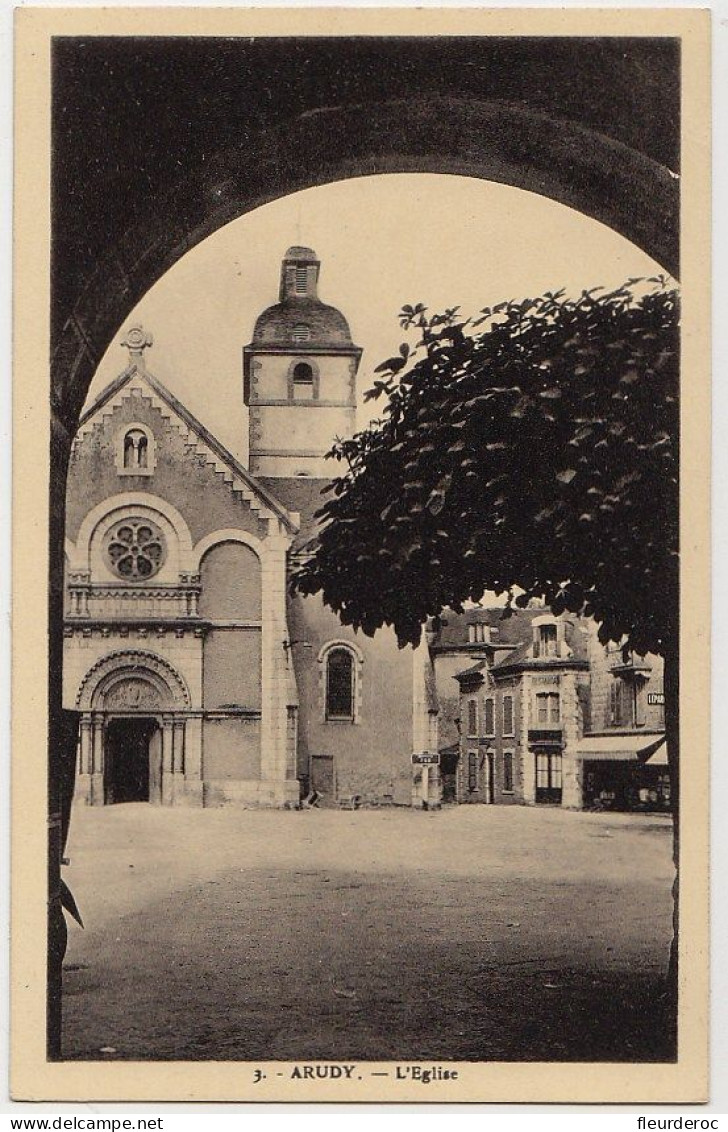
column 655, row 697
column 426, row 759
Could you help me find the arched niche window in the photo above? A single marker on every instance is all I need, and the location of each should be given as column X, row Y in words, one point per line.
column 341, row 677
column 303, row 381
column 135, row 454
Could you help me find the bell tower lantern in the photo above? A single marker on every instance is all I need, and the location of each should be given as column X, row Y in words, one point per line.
column 299, row 376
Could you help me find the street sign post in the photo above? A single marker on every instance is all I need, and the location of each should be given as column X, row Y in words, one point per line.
column 425, row 759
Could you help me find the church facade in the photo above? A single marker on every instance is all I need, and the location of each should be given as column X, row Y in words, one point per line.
column 199, row 679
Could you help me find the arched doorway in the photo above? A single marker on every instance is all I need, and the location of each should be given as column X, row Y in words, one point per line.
column 134, row 743
column 132, row 760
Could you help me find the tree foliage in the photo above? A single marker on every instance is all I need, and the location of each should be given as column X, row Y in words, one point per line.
column 533, row 452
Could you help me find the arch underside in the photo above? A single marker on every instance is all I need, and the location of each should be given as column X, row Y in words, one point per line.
column 515, row 145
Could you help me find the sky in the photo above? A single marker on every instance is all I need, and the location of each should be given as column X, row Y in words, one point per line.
column 383, row 241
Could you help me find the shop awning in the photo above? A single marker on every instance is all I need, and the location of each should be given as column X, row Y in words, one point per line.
column 620, row 748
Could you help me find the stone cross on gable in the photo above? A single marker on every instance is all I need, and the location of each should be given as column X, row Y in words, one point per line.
column 136, row 340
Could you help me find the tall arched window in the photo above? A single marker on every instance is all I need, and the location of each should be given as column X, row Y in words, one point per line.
column 340, row 679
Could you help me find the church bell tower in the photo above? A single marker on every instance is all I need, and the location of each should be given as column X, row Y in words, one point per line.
column 299, row 376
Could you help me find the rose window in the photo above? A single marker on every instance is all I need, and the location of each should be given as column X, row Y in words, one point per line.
column 135, row 549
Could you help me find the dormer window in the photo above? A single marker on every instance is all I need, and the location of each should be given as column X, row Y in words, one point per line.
column 135, row 454
column 545, row 641
column 301, row 333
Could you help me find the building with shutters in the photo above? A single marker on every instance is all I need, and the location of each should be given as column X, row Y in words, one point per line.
column 198, row 678
column 548, row 715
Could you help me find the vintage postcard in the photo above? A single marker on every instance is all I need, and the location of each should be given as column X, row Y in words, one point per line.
column 361, row 465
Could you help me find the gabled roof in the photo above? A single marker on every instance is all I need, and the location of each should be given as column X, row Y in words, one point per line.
column 238, row 476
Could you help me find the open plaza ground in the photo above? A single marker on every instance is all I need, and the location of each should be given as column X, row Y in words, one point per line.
column 474, row 933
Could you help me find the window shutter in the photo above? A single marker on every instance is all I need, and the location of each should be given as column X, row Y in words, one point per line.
column 508, row 715
column 507, row 772
column 639, row 705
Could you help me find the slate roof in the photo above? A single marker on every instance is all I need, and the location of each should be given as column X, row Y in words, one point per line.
column 326, row 324
column 510, row 630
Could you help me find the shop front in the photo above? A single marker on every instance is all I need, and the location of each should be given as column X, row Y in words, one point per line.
column 625, row 772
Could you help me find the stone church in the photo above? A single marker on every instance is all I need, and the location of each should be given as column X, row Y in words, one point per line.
column 200, row 680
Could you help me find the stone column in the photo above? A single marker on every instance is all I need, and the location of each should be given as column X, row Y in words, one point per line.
column 98, row 761
column 178, row 747
column 85, row 760
column 193, row 789
column 178, row 760
column 167, row 779
column 275, row 787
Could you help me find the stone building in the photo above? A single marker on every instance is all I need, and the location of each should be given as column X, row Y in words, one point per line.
column 546, row 714
column 199, row 679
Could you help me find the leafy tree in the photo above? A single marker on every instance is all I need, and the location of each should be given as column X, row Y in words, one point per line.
column 533, row 452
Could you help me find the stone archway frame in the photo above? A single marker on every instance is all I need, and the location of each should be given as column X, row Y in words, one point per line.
column 129, row 499
column 124, row 663
column 487, row 140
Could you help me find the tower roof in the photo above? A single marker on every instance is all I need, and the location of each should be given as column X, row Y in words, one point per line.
column 299, row 320
column 298, row 252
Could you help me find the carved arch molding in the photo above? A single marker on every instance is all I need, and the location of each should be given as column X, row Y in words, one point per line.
column 133, row 681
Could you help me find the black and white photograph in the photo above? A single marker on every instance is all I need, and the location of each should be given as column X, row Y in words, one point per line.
column 366, row 665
